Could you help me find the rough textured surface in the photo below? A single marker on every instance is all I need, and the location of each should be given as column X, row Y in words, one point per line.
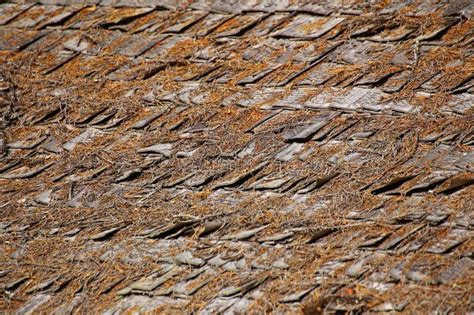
column 211, row 157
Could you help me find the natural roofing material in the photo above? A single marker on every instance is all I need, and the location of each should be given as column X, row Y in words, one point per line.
column 236, row 156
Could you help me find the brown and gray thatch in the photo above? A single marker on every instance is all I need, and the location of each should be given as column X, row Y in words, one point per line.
column 223, row 157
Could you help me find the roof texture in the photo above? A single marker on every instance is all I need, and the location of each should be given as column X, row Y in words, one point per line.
column 211, row 157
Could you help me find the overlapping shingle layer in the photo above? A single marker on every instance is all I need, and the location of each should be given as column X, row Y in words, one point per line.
column 260, row 157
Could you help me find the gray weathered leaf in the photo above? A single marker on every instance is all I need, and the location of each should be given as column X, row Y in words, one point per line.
column 162, row 148
column 430, row 181
column 460, row 269
column 289, row 152
column 192, row 287
column 27, row 174
column 371, row 242
column 317, row 182
column 276, row 237
column 241, row 290
column 44, row 197
column 15, row 283
column 187, row 258
column 87, row 135
column 105, row 234
column 72, row 232
column 297, row 296
column 297, row 27
column 455, row 238
column 23, row 145
column 171, row 228
column 152, row 282
column 316, row 235
column 357, row 269
column 147, row 120
column 42, row 286
column 241, row 177
column 211, row 227
column 268, row 183
column 244, row 234
column 304, row 133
